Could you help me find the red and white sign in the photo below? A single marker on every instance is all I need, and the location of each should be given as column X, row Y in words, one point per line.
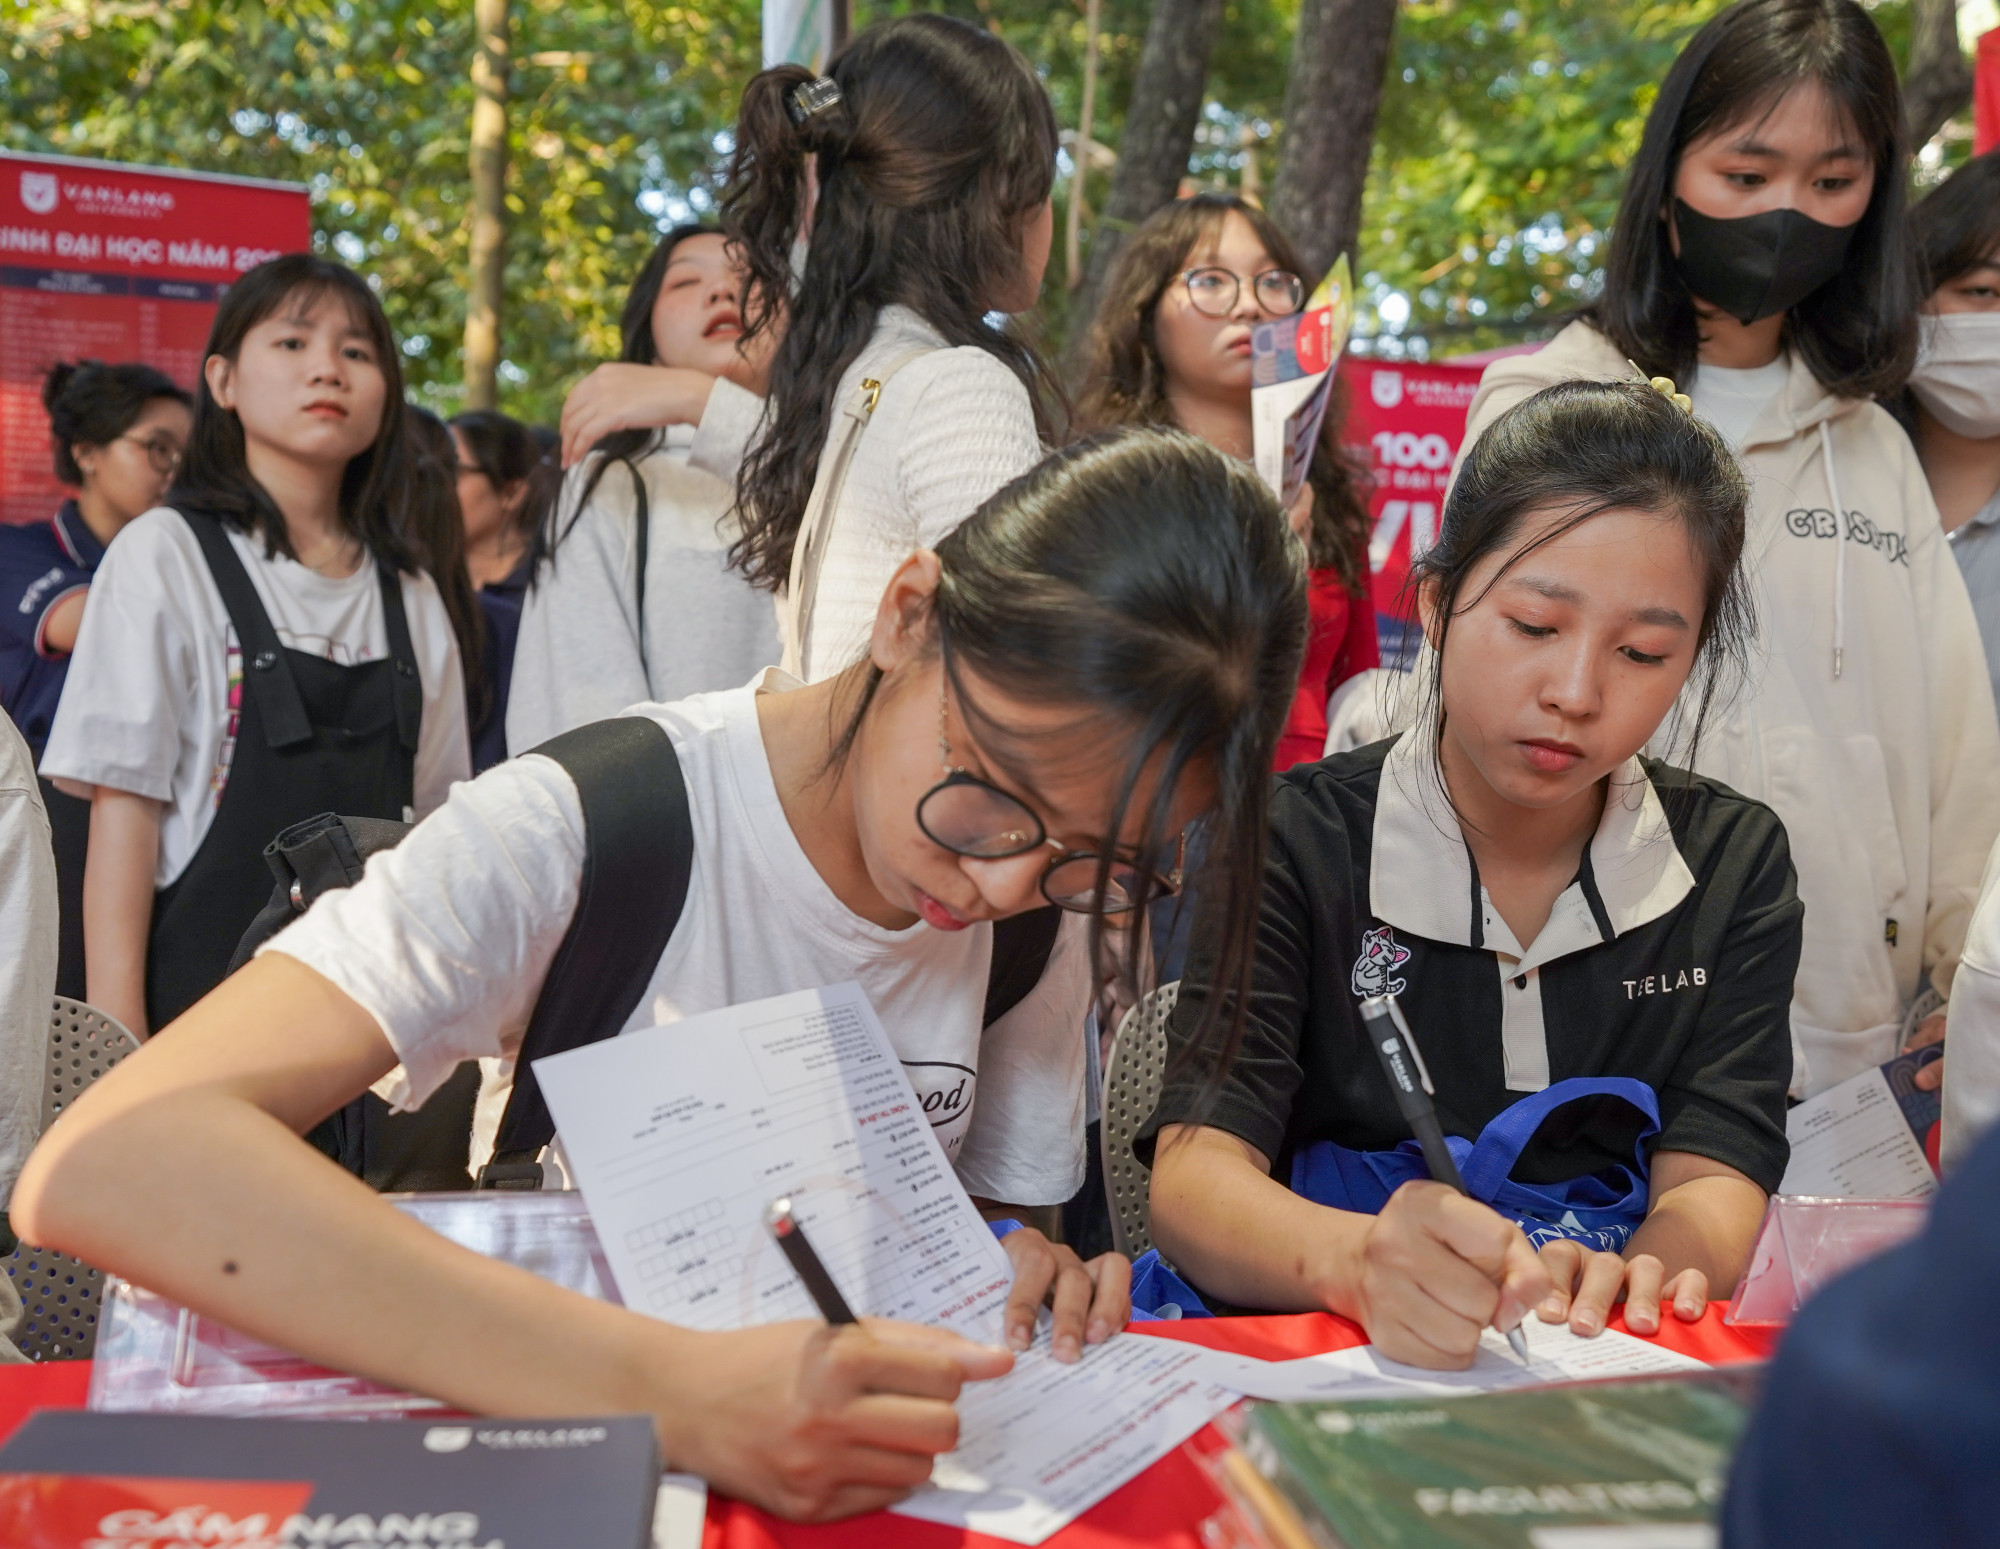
column 108, row 262
column 1407, row 420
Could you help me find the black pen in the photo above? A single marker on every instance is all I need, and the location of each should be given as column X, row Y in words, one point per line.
column 806, row 1263
column 1411, row 1082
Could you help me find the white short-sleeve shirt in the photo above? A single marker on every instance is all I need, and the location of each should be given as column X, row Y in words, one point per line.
column 146, row 707
column 447, row 939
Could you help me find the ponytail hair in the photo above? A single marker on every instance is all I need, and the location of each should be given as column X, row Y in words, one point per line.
column 92, row 404
column 940, row 149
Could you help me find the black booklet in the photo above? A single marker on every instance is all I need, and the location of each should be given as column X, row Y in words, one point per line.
column 477, row 1484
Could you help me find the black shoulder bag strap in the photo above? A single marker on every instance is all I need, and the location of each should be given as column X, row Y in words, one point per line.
column 642, row 512
column 408, row 688
column 265, row 672
column 1021, row 947
column 637, row 858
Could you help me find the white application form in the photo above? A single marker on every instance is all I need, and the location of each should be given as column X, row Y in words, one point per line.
column 681, row 1135
column 1853, row 1141
column 1554, row 1355
column 1047, row 1442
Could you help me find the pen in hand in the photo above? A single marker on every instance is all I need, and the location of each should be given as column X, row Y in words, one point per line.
column 791, row 1236
column 1411, row 1083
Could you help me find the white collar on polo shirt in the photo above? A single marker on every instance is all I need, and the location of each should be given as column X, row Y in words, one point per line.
column 1420, row 881
column 1421, row 876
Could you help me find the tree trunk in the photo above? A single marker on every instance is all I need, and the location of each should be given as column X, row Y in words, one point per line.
column 1086, row 127
column 489, row 207
column 1159, row 136
column 1331, row 98
column 1938, row 83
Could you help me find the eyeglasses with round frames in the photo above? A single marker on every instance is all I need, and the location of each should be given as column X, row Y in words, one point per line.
column 969, row 816
column 164, row 456
column 1213, row 291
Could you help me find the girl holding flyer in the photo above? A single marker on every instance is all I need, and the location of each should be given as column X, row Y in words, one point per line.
column 1171, row 346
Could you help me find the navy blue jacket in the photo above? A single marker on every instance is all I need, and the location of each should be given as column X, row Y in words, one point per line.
column 40, row 564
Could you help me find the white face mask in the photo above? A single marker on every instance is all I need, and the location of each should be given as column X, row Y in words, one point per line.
column 1958, row 372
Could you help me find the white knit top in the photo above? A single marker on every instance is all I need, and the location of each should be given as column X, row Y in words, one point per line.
column 950, row 428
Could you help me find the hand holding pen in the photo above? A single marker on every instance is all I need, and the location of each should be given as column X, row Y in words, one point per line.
column 1456, row 1239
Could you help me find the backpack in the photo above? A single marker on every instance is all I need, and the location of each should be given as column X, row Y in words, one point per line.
column 638, row 858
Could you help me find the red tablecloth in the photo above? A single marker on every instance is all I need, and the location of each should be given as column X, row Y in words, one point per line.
column 1164, row 1506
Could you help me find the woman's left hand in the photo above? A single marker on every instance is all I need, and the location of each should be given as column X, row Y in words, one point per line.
column 1589, row 1283
column 1092, row 1301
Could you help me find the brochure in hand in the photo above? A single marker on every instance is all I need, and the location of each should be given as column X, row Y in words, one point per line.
column 1292, row 361
column 71, row 1478
column 1528, row 1469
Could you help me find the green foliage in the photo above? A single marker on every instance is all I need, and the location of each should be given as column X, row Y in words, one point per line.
column 614, row 113
column 1506, row 127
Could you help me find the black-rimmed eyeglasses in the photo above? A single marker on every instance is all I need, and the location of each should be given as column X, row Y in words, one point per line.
column 1214, row 292
column 969, row 816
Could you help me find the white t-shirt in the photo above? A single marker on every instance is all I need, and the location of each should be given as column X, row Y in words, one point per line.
column 146, row 706
column 27, row 957
column 1731, row 399
column 706, row 627
column 447, row 939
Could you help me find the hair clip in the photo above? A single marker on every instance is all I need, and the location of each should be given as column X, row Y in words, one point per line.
column 1664, row 386
column 811, row 97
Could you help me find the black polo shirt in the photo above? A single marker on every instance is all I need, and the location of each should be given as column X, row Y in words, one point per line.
column 1669, row 959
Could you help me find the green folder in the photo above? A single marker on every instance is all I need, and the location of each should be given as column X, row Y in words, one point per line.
column 1501, row 1470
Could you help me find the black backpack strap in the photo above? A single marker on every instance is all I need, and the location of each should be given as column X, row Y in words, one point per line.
column 408, row 689
column 265, row 672
column 637, row 858
column 642, row 509
column 1021, row 947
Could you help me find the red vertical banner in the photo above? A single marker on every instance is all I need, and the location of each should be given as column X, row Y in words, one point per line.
column 1986, row 93
column 1407, row 421
column 109, row 262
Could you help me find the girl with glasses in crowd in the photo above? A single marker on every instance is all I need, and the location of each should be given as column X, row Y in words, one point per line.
column 1171, row 346
column 1099, row 655
column 886, row 211
column 117, row 433
column 261, row 649
column 652, row 442
column 1594, row 951
column 1759, row 258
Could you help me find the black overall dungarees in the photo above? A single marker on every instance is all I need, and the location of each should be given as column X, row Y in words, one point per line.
column 312, row 736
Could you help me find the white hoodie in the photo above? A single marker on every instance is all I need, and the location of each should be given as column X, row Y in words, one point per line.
column 1868, row 723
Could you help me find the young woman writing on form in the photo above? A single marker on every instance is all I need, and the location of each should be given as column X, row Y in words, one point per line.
column 1594, row 951
column 1099, row 655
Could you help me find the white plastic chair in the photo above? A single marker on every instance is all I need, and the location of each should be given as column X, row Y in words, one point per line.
column 60, row 1294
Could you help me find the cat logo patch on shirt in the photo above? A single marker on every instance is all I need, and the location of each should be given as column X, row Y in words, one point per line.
column 1381, row 955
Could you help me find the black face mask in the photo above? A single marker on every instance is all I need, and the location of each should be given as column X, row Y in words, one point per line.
column 1754, row 266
